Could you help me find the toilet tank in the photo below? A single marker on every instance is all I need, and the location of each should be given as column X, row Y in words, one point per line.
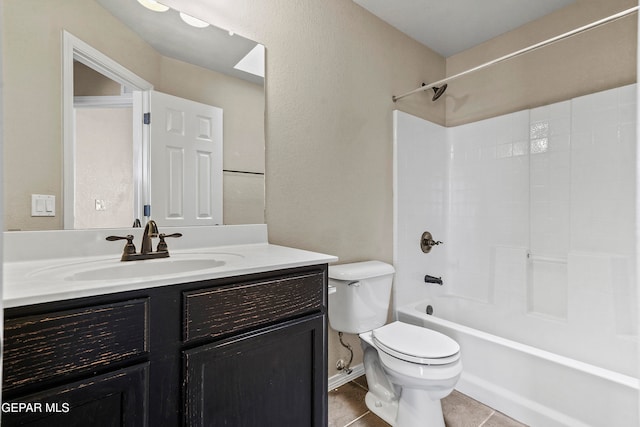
column 361, row 300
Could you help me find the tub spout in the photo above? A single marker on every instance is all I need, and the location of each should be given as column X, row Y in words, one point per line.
column 432, row 279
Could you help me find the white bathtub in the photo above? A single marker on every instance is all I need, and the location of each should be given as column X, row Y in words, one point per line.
column 536, row 387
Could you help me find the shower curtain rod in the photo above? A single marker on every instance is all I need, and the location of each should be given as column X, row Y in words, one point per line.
column 521, row 51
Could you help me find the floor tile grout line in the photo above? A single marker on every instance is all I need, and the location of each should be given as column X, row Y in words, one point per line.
column 484, row 423
column 361, row 416
column 488, row 418
column 361, row 386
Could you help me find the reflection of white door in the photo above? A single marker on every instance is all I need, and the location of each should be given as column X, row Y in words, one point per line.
column 185, row 143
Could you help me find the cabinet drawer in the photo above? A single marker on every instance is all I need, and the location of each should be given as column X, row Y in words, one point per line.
column 220, row 311
column 53, row 345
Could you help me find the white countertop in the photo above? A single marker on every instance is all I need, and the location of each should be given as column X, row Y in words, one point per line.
column 40, row 280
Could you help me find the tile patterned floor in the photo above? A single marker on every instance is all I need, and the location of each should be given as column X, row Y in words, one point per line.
column 347, row 409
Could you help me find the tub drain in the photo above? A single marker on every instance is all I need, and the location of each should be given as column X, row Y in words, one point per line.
column 429, row 310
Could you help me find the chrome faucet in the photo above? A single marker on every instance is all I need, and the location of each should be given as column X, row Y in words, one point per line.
column 146, row 251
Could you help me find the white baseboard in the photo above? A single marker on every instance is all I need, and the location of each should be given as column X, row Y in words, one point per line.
column 342, row 378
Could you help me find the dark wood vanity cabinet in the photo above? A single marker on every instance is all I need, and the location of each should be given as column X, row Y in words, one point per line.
column 242, row 351
column 263, row 379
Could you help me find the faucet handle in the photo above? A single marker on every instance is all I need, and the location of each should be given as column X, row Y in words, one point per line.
column 162, row 245
column 129, row 248
column 427, row 242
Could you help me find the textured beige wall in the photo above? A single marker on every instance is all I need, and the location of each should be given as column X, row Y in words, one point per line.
column 33, row 108
column 600, row 59
column 331, row 71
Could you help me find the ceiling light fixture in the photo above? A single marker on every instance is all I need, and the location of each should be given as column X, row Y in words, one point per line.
column 153, row 5
column 195, row 22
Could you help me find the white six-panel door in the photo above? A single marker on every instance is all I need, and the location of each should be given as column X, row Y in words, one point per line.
column 185, row 144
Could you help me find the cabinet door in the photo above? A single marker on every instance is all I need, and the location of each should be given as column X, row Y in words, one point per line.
column 272, row 377
column 116, row 399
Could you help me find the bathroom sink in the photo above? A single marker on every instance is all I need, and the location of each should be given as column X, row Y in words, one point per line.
column 111, row 269
column 132, row 269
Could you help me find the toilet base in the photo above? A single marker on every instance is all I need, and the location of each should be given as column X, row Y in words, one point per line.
column 414, row 409
column 387, row 410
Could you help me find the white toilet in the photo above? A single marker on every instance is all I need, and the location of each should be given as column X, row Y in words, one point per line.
column 408, row 368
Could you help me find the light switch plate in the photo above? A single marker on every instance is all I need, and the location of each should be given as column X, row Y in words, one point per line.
column 43, row 205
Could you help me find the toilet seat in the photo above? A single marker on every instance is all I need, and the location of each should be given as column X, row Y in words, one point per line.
column 416, row 344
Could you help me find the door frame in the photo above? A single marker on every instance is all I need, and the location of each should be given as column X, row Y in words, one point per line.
column 75, row 49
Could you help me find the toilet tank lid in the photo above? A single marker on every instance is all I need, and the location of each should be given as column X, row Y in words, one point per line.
column 360, row 270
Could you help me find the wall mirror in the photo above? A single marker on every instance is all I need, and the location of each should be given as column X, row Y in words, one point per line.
column 109, row 181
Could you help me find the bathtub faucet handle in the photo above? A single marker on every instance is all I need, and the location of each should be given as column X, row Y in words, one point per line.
column 427, row 242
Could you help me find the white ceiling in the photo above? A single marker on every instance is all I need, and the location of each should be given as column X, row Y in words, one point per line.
column 452, row 26
column 209, row 47
column 446, row 26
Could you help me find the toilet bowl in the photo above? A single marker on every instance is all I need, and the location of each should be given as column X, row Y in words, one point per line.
column 408, row 368
column 421, row 366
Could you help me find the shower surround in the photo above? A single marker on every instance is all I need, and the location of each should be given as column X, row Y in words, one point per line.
column 537, row 213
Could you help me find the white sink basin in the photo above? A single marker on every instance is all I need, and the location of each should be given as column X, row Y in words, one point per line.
column 114, row 269
column 132, row 269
